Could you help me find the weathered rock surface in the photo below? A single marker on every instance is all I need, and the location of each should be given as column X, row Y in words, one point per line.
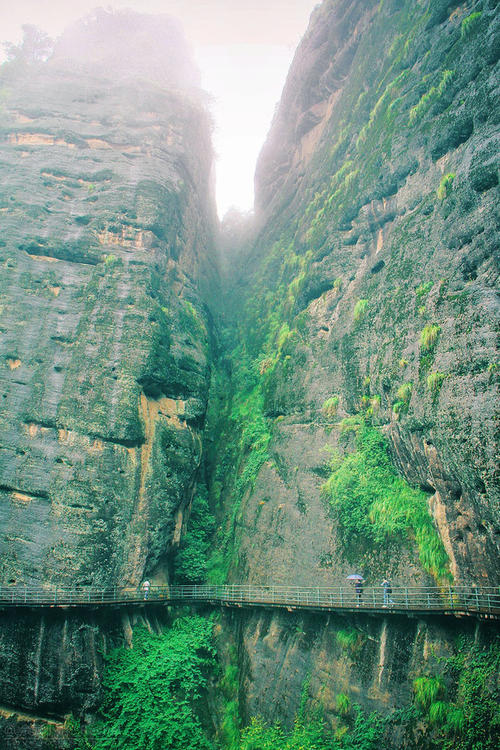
column 368, row 193
column 106, row 226
column 279, row 654
column 106, row 266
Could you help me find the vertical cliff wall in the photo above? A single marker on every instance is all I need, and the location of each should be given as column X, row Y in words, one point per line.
column 366, row 414
column 107, row 263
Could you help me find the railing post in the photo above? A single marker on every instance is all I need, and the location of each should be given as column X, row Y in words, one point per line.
column 489, row 602
column 25, row 593
column 341, row 597
column 406, row 598
column 450, row 592
column 55, row 595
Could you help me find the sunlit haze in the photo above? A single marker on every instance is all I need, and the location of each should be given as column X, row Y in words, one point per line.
column 243, row 50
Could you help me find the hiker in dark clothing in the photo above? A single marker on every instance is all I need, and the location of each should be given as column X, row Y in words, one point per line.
column 358, row 587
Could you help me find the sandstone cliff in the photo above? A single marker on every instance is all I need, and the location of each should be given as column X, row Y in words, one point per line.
column 369, row 332
column 107, row 262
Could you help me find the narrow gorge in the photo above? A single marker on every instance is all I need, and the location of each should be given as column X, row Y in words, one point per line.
column 283, row 400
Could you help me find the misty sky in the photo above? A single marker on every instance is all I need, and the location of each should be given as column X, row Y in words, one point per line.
column 243, row 48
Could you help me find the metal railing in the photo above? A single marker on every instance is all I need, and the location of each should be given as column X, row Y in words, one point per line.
column 455, row 600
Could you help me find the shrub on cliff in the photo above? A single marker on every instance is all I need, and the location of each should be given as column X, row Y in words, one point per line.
column 360, row 309
column 374, row 505
column 429, row 336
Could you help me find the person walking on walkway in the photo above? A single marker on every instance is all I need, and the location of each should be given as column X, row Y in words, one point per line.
column 358, row 587
column 386, row 584
column 145, row 587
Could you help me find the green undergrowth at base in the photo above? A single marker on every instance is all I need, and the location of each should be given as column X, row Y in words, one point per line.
column 359, row 731
column 229, row 687
column 153, row 690
column 375, row 505
column 461, row 709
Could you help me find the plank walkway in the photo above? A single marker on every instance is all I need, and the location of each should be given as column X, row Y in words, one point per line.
column 457, row 601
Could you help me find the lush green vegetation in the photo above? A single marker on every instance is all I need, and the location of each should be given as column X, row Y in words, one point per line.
column 261, row 736
column 455, row 710
column 374, row 505
column 153, row 690
column 229, row 684
column 192, row 558
column 241, row 449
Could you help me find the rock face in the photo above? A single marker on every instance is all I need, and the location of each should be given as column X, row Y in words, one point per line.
column 107, row 263
column 372, row 311
column 371, row 660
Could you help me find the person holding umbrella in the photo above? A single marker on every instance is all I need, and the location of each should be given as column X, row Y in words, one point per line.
column 358, row 587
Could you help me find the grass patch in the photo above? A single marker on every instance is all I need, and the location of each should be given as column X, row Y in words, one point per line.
column 330, row 407
column 349, row 640
column 429, row 337
column 423, row 289
column 427, row 690
column 427, row 100
column 360, row 309
column 445, row 186
column 343, row 704
column 434, row 383
column 403, row 399
column 470, row 24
